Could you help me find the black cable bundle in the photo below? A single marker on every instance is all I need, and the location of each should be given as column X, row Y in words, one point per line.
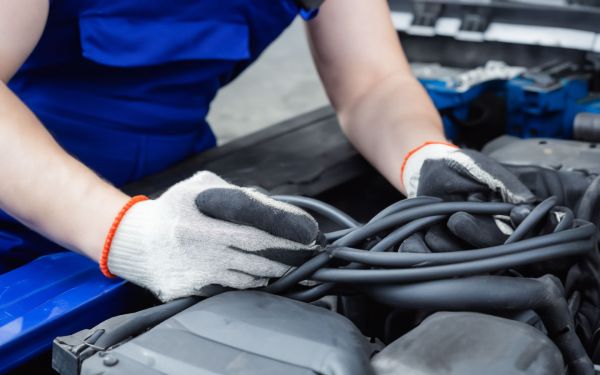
column 453, row 280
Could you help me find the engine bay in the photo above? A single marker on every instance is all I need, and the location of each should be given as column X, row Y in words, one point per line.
column 415, row 286
column 402, row 286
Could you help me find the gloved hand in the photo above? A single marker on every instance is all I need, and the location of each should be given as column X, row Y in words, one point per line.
column 443, row 170
column 240, row 239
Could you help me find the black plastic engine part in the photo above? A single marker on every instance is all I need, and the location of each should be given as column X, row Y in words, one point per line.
column 242, row 332
column 470, row 343
column 492, row 293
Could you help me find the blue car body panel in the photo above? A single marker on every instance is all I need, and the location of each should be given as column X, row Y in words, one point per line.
column 54, row 295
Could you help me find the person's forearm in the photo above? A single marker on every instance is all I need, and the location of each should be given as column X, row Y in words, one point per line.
column 382, row 108
column 388, row 121
column 48, row 190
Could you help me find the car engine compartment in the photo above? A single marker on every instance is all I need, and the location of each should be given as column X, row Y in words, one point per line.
column 402, row 286
column 420, row 286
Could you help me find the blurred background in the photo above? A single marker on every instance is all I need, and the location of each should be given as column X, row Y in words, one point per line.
column 281, row 84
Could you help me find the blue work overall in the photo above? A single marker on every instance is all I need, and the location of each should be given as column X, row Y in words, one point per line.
column 125, row 86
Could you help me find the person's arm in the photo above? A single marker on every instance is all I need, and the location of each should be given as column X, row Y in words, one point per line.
column 42, row 186
column 201, row 233
column 382, row 108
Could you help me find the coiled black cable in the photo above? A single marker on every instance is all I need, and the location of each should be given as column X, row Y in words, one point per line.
column 409, row 217
column 388, row 276
column 393, row 259
column 385, row 223
column 534, row 218
column 327, row 210
column 481, row 266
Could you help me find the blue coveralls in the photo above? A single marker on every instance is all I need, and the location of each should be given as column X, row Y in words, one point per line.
column 125, row 85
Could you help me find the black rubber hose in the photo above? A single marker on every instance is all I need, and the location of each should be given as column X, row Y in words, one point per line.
column 393, row 259
column 132, row 324
column 311, row 294
column 396, row 207
column 429, row 273
column 332, row 236
column 481, row 293
column 532, row 220
column 588, row 201
column 403, row 217
column 301, row 273
column 407, row 275
column 304, row 272
column 554, row 185
column 307, row 269
column 405, row 231
column 566, row 221
column 332, row 213
column 405, row 205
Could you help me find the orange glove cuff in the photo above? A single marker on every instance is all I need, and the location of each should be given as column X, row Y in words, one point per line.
column 414, row 150
column 111, row 234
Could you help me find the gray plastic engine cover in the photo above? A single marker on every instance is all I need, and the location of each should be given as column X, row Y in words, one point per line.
column 242, row 332
column 463, row 343
column 558, row 154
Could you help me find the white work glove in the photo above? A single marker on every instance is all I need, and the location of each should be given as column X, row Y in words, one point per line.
column 173, row 249
column 443, row 170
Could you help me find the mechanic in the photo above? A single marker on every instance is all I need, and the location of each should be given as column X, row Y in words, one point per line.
column 96, row 94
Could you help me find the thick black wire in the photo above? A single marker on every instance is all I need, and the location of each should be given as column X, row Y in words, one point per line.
column 335, row 235
column 588, row 201
column 394, row 259
column 332, row 213
column 304, row 271
column 412, row 216
column 383, row 276
column 405, row 231
column 319, row 291
column 396, row 207
column 405, row 205
column 311, row 294
column 301, row 273
column 403, row 217
column 566, row 221
column 532, row 220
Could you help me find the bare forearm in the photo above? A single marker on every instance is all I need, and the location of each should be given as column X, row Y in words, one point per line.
column 392, row 118
column 382, row 108
column 47, row 189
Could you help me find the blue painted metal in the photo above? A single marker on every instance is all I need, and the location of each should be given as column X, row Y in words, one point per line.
column 54, row 295
column 534, row 111
column 448, row 99
column 590, row 104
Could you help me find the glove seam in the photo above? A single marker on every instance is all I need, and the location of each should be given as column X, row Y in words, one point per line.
column 103, row 263
column 415, row 150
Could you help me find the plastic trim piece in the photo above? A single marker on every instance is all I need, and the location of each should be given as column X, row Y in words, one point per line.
column 502, row 32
